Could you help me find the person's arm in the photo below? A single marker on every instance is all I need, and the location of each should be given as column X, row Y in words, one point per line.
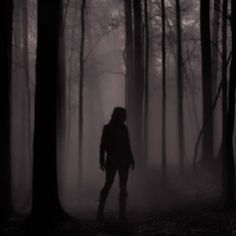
column 102, row 149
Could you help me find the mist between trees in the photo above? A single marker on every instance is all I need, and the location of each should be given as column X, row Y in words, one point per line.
column 66, row 64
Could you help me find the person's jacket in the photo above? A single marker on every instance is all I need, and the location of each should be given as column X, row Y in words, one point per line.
column 115, row 144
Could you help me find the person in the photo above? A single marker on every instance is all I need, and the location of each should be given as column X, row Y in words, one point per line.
column 115, row 156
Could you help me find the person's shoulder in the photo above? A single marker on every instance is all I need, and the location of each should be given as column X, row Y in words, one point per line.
column 106, row 126
column 125, row 127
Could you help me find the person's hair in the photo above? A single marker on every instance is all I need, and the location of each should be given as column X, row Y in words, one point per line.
column 119, row 115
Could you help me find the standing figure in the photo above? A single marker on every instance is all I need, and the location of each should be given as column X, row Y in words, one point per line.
column 115, row 155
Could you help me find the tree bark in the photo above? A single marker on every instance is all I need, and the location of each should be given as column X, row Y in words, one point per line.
column 215, row 62
column 163, row 127
column 207, row 140
column 139, row 83
column 229, row 173
column 146, row 82
column 81, row 85
column 180, row 86
column 46, row 206
column 129, row 62
column 6, row 17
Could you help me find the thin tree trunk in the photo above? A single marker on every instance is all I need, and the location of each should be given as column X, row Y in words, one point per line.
column 139, row 83
column 180, row 86
column 146, row 84
column 163, row 127
column 6, row 18
column 81, row 85
column 224, row 83
column 129, row 61
column 215, row 61
column 26, row 66
column 229, row 172
column 215, row 43
column 207, row 140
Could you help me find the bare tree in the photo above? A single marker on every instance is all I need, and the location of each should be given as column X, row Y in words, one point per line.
column 179, row 66
column 163, row 129
column 207, row 139
column 6, row 12
column 81, row 85
column 146, row 82
column 139, row 83
column 228, row 157
column 46, row 205
column 129, row 62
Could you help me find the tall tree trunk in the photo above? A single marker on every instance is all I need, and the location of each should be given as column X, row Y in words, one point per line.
column 229, row 173
column 6, row 16
column 222, row 151
column 215, row 61
column 26, row 65
column 224, row 69
column 163, row 127
column 146, row 83
column 129, row 61
column 215, row 43
column 20, row 125
column 61, row 98
column 207, row 140
column 81, row 85
column 139, row 83
column 46, row 206
column 180, row 86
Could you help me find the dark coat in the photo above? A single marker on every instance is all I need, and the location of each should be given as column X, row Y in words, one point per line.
column 115, row 144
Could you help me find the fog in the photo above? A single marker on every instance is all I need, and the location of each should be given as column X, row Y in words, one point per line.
column 104, row 89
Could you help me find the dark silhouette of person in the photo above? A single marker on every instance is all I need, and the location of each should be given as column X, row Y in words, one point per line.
column 115, row 155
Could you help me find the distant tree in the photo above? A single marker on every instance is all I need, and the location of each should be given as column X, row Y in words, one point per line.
column 46, row 205
column 179, row 66
column 224, row 76
column 81, row 85
column 146, row 80
column 139, row 83
column 129, row 62
column 163, row 129
column 228, row 156
column 6, row 15
column 26, row 66
column 215, row 60
column 215, row 43
column 207, row 139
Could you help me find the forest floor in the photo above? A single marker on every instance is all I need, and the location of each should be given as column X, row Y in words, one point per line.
column 185, row 205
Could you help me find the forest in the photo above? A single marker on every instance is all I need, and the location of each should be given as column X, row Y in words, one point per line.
column 66, row 64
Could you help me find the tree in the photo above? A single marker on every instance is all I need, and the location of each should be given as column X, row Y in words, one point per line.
column 137, row 131
column 163, row 129
column 146, row 82
column 179, row 66
column 26, row 65
column 6, row 12
column 215, row 58
column 215, row 43
column 129, row 58
column 228, row 158
column 81, row 85
column 207, row 139
column 46, row 205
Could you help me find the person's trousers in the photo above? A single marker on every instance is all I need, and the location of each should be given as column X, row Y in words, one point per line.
column 110, row 176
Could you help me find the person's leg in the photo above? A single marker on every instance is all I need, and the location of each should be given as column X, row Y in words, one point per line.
column 110, row 175
column 123, row 175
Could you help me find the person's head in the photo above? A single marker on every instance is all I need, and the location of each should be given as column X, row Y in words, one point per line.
column 118, row 115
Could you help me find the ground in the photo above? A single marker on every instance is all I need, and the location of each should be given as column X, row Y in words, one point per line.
column 184, row 205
